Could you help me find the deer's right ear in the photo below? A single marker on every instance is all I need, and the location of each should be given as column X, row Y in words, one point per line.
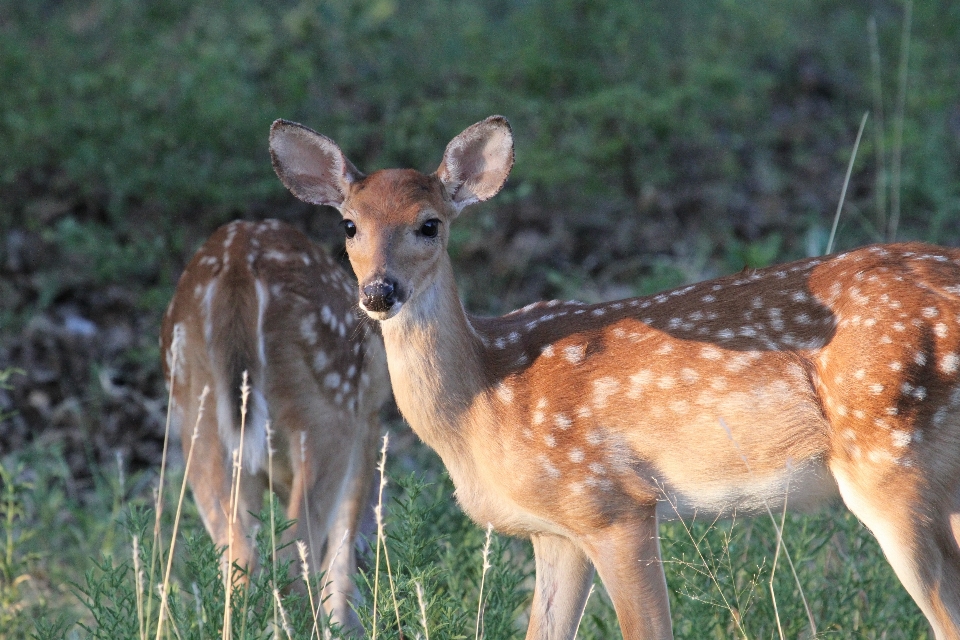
column 310, row 164
column 477, row 162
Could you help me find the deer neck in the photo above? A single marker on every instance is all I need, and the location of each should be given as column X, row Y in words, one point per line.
column 434, row 357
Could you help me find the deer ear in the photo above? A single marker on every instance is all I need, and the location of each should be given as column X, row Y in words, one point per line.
column 311, row 165
column 477, row 162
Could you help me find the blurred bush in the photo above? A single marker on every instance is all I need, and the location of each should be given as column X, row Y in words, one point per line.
column 657, row 143
column 680, row 109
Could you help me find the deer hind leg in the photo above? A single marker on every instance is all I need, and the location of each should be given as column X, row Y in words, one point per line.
column 627, row 557
column 211, row 480
column 564, row 575
column 915, row 532
column 320, row 482
column 339, row 560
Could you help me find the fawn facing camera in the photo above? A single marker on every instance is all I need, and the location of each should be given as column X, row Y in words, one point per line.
column 580, row 426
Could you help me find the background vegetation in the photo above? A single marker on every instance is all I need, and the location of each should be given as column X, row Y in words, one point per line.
column 657, row 143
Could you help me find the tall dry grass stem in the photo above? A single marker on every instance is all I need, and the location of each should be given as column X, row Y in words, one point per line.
column 483, row 575
column 776, row 556
column 305, row 574
column 273, row 528
column 175, row 345
column 138, row 579
column 227, row 562
column 234, row 507
column 846, row 183
column 382, row 542
column 164, row 590
column 283, row 614
column 423, row 610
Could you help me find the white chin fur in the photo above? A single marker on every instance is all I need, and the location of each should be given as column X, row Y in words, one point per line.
column 380, row 316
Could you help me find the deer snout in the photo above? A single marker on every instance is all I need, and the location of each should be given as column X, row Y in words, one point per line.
column 380, row 295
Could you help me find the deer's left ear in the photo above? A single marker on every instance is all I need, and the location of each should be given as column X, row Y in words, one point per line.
column 477, row 162
column 310, row 164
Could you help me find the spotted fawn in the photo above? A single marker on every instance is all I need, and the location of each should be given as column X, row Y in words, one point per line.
column 581, row 426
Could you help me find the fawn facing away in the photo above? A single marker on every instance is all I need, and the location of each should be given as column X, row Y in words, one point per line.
column 263, row 298
column 580, row 425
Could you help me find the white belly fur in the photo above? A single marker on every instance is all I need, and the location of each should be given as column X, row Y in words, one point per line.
column 803, row 487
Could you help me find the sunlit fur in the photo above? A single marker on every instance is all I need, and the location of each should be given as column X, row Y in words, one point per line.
column 580, row 425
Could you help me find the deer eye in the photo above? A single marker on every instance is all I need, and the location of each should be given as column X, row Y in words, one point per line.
column 430, row 228
column 349, row 227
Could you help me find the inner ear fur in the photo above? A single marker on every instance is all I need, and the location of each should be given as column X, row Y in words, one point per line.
column 310, row 164
column 477, row 162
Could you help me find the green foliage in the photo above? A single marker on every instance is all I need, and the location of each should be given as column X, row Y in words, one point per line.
column 5, row 383
column 167, row 104
column 440, row 550
column 13, row 563
column 717, row 572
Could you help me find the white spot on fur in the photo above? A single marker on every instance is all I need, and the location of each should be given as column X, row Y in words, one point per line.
column 332, row 380
column 666, row 382
column 679, row 406
column 548, row 467
column 711, row 353
column 949, row 363
column 638, row 381
column 603, row 388
column 574, row 354
column 901, row 439
column 307, row 329
column 320, row 360
column 594, row 438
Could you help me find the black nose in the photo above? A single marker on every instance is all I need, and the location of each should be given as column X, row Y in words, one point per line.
column 379, row 295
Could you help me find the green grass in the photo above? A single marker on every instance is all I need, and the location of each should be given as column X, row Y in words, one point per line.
column 68, row 569
column 131, row 129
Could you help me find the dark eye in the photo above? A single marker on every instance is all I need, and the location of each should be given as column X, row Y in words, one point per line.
column 430, row 228
column 349, row 228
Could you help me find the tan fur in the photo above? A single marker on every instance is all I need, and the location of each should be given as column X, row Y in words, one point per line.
column 581, row 425
column 262, row 298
